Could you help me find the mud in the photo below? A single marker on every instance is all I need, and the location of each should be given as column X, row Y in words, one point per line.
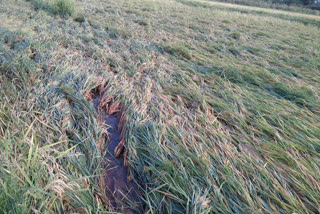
column 121, row 190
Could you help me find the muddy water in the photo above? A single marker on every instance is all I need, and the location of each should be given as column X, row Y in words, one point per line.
column 119, row 190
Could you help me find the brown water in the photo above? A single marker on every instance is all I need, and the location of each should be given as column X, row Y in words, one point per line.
column 120, row 190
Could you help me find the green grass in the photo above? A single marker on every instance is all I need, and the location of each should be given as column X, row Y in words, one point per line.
column 49, row 161
column 221, row 102
column 59, row 7
column 64, row 7
column 286, row 15
column 270, row 4
column 178, row 49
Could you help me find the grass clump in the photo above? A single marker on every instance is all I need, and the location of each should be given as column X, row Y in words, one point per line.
column 232, row 74
column 58, row 7
column 113, row 32
column 63, row 7
column 144, row 22
column 299, row 95
column 235, row 35
column 116, row 32
column 80, row 17
column 178, row 49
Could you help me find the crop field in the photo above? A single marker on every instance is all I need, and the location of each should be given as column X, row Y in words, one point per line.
column 218, row 107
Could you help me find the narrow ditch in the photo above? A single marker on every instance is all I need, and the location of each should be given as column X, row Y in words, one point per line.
column 121, row 190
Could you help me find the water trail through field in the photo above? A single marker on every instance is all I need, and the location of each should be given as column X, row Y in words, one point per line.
column 120, row 190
